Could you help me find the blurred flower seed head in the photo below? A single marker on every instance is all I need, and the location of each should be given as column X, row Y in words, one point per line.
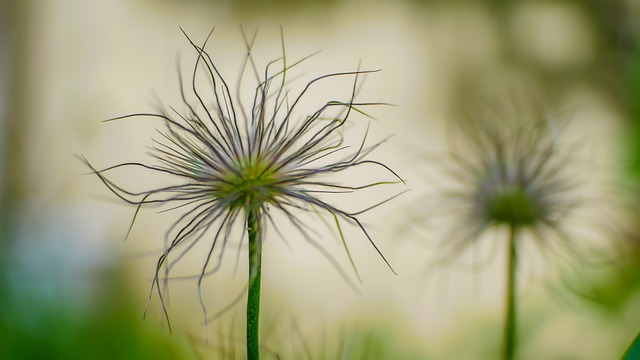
column 510, row 166
column 226, row 159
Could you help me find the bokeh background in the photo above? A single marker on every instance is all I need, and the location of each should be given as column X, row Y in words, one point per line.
column 71, row 288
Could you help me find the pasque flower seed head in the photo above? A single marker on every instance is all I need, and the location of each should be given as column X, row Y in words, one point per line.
column 230, row 163
column 511, row 171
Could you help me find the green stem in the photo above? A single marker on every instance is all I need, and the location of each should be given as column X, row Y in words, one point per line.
column 253, row 298
column 510, row 317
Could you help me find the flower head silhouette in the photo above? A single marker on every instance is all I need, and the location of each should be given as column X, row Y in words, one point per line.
column 234, row 166
column 510, row 171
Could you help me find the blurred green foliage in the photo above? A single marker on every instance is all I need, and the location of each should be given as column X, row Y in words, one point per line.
column 114, row 329
column 633, row 353
column 634, row 85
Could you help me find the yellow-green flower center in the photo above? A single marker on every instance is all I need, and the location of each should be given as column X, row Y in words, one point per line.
column 250, row 186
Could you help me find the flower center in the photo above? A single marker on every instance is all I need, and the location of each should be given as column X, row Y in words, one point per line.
column 512, row 206
column 250, row 187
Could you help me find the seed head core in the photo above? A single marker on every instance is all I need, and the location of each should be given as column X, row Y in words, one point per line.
column 511, row 205
column 250, row 185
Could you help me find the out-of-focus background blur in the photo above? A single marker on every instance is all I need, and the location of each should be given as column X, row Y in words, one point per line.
column 71, row 288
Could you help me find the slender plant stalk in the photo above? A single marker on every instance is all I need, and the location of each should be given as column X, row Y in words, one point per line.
column 253, row 299
column 510, row 316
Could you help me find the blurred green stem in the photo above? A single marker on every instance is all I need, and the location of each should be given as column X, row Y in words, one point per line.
column 510, row 316
column 253, row 298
